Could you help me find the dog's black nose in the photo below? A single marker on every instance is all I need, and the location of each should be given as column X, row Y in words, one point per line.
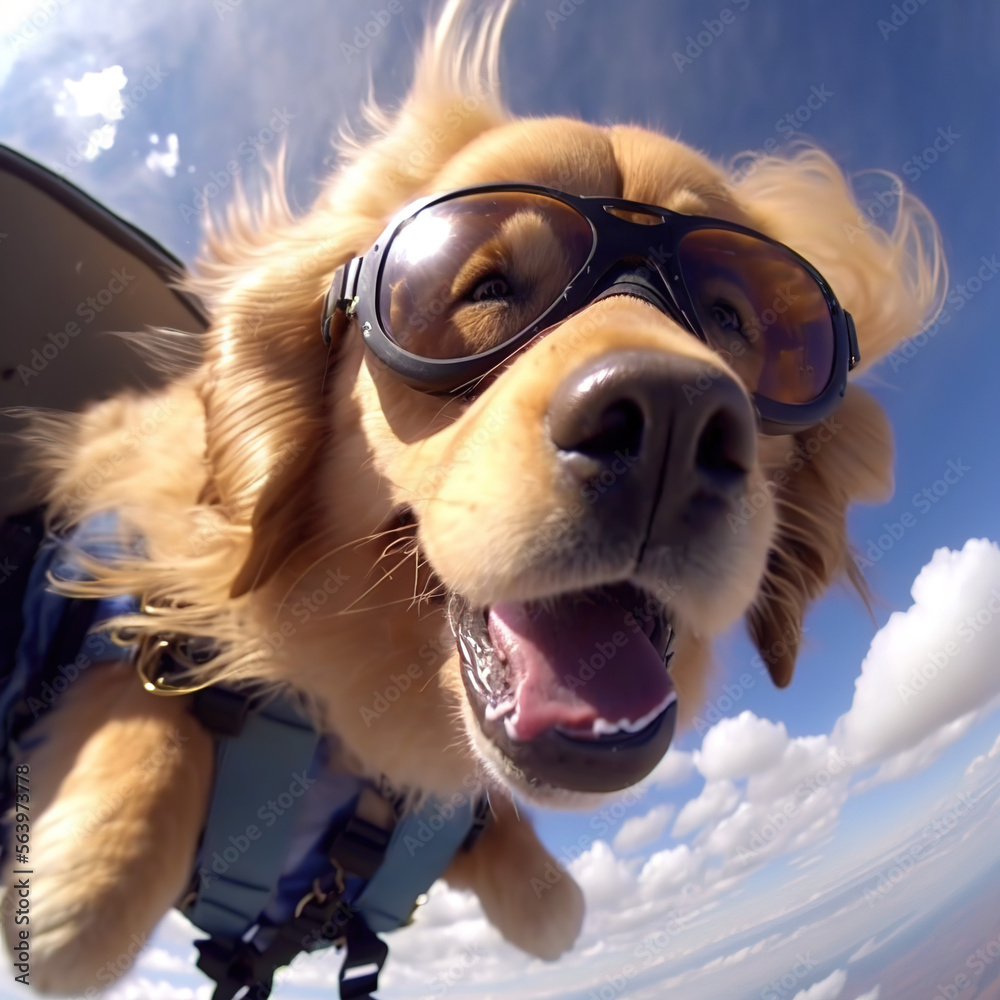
column 660, row 444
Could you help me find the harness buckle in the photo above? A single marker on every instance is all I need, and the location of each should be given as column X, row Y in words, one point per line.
column 360, row 845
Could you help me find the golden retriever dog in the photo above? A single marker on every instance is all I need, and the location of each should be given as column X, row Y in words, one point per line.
column 619, row 480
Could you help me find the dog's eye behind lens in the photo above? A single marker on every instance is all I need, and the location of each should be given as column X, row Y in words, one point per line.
column 726, row 317
column 491, row 289
column 762, row 310
column 466, row 275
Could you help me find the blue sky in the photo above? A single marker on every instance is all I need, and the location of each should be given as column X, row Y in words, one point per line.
column 214, row 74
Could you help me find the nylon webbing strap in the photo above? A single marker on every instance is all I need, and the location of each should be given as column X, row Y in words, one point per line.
column 260, row 779
column 366, row 954
column 422, row 846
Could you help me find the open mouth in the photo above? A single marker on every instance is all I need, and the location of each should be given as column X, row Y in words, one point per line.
column 573, row 691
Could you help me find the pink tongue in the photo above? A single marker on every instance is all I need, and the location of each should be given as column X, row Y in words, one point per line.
column 577, row 664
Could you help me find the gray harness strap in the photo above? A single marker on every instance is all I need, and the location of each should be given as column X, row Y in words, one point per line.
column 261, row 770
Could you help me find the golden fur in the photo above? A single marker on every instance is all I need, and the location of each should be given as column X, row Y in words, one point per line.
column 278, row 465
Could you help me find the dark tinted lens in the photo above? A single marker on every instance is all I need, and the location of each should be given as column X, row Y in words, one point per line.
column 761, row 309
column 467, row 275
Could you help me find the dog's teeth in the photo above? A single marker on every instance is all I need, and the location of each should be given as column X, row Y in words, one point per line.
column 510, row 727
column 466, row 649
column 601, row 727
column 494, row 712
column 471, row 674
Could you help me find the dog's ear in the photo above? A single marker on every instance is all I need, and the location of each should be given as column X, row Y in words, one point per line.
column 282, row 518
column 845, row 459
column 264, row 391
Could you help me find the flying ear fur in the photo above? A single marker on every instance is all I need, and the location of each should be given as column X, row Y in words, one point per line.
column 847, row 458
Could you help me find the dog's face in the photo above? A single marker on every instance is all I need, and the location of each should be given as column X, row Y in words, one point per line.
column 581, row 518
column 575, row 511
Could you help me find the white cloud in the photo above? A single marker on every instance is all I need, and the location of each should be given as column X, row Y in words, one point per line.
column 164, row 160
column 141, row 988
column 161, row 960
column 604, row 878
column 175, row 930
column 871, row 945
column 668, row 870
column 446, row 907
column 735, row 748
column 674, row 769
column 757, row 831
column 918, row 758
column 933, row 663
column 94, row 94
column 638, row 831
column 802, row 762
column 801, row 864
column 872, row 994
column 717, row 799
column 826, row 989
column 977, row 762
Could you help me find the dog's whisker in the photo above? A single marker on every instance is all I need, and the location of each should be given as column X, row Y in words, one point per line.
column 430, row 679
column 408, row 548
column 350, row 610
column 354, row 543
column 390, row 550
column 386, row 575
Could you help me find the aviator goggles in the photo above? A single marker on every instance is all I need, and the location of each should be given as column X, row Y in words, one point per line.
column 458, row 282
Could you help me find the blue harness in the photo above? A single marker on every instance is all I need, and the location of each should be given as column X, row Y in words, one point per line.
column 296, row 854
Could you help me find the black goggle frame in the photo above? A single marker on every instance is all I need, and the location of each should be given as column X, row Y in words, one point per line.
column 615, row 240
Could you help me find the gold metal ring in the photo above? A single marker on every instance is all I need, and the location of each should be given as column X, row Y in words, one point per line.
column 148, row 656
column 314, row 894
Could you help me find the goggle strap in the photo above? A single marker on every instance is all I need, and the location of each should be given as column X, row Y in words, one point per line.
column 630, row 281
column 342, row 295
